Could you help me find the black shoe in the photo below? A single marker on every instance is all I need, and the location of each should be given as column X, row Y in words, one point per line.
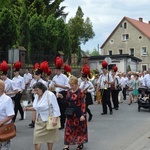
column 116, row 108
column 31, row 124
column 103, row 113
column 21, row 119
column 90, row 117
column 61, row 128
column 111, row 112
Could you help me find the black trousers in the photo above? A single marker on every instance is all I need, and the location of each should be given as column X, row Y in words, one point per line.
column 114, row 94
column 62, row 105
column 124, row 93
column 17, row 99
column 106, row 100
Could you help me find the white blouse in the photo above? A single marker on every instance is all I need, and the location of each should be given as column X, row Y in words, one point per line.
column 43, row 107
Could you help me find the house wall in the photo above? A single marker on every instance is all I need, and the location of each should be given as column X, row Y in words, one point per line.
column 132, row 42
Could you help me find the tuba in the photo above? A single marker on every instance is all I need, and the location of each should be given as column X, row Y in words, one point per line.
column 91, row 76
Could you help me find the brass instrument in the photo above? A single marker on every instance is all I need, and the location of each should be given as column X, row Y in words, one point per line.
column 91, row 76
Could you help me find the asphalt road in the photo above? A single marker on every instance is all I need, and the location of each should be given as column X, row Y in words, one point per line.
column 126, row 129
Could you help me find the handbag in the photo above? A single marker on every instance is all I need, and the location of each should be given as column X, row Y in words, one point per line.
column 69, row 111
column 49, row 125
column 7, row 132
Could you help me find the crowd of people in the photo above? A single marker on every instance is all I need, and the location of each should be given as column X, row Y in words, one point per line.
column 63, row 93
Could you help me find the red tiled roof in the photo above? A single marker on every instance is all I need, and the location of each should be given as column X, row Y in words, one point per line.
column 139, row 25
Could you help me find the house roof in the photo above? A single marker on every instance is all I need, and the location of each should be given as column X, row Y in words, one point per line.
column 116, row 56
column 138, row 24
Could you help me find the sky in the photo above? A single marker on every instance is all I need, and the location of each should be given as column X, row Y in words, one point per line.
column 105, row 16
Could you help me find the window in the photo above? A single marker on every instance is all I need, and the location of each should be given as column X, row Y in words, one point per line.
column 132, row 51
column 109, row 52
column 125, row 25
column 125, row 37
column 144, row 67
column 144, row 51
column 120, row 51
column 111, row 41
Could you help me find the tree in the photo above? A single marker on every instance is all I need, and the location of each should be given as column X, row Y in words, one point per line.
column 37, row 34
column 8, row 32
column 95, row 52
column 80, row 31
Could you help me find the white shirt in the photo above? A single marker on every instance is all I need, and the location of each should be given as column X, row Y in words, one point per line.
column 10, row 86
column 102, row 78
column 6, row 107
column 43, row 108
column 123, row 81
column 61, row 80
column 146, row 80
column 27, row 78
column 19, row 81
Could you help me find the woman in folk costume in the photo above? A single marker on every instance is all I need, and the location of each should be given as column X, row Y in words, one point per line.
column 61, row 84
column 114, row 88
column 20, row 85
column 103, row 84
column 67, row 70
column 88, row 88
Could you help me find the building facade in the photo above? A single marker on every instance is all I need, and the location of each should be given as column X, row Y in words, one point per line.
column 130, row 37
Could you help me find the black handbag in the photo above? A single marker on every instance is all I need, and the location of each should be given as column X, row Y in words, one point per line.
column 69, row 111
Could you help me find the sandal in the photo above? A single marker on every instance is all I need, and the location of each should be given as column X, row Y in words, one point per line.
column 80, row 146
column 66, row 148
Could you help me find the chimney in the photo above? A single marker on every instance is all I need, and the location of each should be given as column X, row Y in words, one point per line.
column 141, row 19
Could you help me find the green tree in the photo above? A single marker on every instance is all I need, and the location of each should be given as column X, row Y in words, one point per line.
column 8, row 31
column 37, row 34
column 95, row 52
column 80, row 31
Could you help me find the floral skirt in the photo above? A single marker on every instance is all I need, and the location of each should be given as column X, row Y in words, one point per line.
column 5, row 145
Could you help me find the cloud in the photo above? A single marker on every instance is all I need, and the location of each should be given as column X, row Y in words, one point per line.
column 105, row 15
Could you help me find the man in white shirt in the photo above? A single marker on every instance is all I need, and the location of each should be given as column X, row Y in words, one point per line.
column 146, row 80
column 103, row 84
column 27, row 79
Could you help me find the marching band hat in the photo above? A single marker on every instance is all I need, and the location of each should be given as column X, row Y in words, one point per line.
column 17, row 65
column 115, row 68
column 85, row 71
column 58, row 62
column 104, row 64
column 3, row 68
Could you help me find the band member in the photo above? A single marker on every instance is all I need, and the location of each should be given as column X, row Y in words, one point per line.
column 115, row 88
column 10, row 87
column 88, row 88
column 20, row 85
column 27, row 79
column 67, row 70
column 61, row 84
column 103, row 84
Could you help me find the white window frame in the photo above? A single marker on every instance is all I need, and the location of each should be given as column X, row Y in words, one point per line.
column 125, row 37
column 144, row 51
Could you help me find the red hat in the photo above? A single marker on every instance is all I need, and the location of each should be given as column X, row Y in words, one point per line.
column 44, row 66
column 104, row 64
column 49, row 71
column 58, row 62
column 85, row 70
column 115, row 68
column 17, row 65
column 67, row 68
column 3, row 68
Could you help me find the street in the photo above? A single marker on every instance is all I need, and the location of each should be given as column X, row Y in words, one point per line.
column 126, row 129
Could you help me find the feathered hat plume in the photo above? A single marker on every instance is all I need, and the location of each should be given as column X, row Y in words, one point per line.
column 67, row 68
column 17, row 65
column 44, row 66
column 85, row 70
column 58, row 62
column 115, row 68
column 104, row 64
column 4, row 67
